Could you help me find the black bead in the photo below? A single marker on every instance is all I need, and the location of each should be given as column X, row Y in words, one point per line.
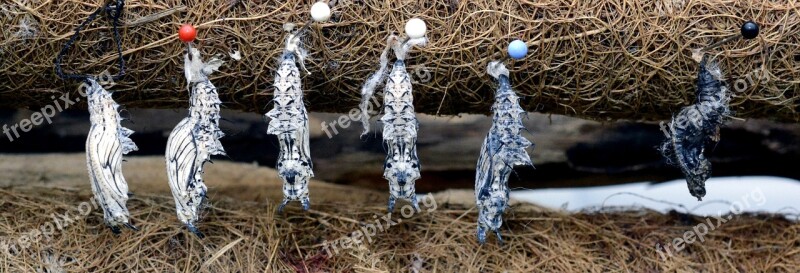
column 749, row 30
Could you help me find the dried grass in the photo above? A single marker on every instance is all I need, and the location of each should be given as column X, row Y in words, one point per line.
column 250, row 237
column 604, row 59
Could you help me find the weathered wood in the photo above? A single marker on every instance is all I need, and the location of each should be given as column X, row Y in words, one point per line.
column 569, row 152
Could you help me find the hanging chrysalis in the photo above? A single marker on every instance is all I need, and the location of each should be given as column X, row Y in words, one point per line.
column 194, row 140
column 105, row 145
column 289, row 122
column 502, row 150
column 289, row 118
column 696, row 127
column 107, row 140
column 402, row 167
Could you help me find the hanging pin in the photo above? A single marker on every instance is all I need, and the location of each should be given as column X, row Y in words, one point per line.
column 187, row 33
column 748, row 31
column 517, row 50
column 415, row 29
column 320, row 12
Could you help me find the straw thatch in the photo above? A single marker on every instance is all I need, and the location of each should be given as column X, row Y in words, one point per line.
column 244, row 234
column 604, row 59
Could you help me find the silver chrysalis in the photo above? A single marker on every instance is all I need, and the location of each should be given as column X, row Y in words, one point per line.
column 696, row 127
column 105, row 145
column 194, row 140
column 289, row 122
column 503, row 149
column 400, row 125
column 402, row 166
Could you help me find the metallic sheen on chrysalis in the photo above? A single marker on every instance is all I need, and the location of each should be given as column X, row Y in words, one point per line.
column 503, row 149
column 289, row 122
column 402, row 166
column 105, row 145
column 194, row 140
column 400, row 125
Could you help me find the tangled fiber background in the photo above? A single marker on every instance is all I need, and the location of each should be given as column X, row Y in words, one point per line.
column 251, row 237
column 599, row 59
column 245, row 234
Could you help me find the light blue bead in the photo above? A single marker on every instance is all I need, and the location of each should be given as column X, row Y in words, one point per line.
column 517, row 49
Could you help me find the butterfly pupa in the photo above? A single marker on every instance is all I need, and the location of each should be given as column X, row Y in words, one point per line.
column 401, row 167
column 106, row 143
column 696, row 127
column 503, row 149
column 289, row 122
column 194, row 140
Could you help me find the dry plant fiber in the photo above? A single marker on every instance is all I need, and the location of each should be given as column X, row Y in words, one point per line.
column 251, row 237
column 245, row 234
column 596, row 59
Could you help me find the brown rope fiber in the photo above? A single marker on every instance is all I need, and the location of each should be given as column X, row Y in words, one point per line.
column 598, row 59
column 251, row 237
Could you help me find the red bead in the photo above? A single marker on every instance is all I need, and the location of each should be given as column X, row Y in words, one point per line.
column 187, row 33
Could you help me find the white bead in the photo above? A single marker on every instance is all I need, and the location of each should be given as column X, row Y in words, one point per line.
column 415, row 28
column 320, row 12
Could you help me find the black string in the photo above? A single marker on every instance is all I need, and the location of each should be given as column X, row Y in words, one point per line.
column 114, row 11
